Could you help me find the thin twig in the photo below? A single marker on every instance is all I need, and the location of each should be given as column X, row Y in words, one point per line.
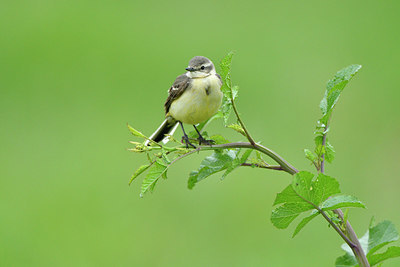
column 357, row 248
column 337, row 229
column 322, row 169
column 270, row 167
column 287, row 167
column 251, row 140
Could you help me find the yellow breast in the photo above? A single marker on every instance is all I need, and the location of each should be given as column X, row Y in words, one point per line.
column 199, row 102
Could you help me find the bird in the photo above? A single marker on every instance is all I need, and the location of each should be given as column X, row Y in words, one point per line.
column 193, row 98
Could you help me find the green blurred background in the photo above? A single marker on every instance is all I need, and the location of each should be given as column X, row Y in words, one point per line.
column 73, row 73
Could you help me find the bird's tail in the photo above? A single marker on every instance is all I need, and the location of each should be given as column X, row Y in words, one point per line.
column 167, row 127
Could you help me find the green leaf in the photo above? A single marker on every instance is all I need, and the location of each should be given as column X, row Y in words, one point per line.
column 310, row 155
column 245, row 156
column 166, row 165
column 218, row 161
column 305, row 220
column 346, row 260
column 319, row 148
column 226, row 109
column 324, row 186
column 235, row 91
column 236, row 162
column 139, row 171
column 329, row 152
column 342, row 201
column 334, row 89
column 314, row 191
column 288, row 195
column 282, row 216
column 380, row 235
column 165, row 156
column 333, row 216
column 300, row 196
column 391, row 252
column 135, row 132
column 226, row 87
column 225, row 72
column 155, row 172
column 375, row 238
column 302, row 184
column 238, row 128
column 372, row 222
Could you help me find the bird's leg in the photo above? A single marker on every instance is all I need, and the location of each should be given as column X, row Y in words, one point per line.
column 202, row 140
column 185, row 138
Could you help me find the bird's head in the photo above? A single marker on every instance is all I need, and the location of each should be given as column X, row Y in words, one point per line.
column 200, row 67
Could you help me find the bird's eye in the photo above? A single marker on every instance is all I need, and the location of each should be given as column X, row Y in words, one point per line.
column 202, row 67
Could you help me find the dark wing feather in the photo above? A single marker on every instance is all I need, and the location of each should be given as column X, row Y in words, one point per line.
column 219, row 77
column 180, row 85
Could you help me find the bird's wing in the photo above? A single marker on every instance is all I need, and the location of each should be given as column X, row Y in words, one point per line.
column 180, row 85
column 219, row 77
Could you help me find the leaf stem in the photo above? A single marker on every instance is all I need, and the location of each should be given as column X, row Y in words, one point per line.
column 337, row 229
column 270, row 167
column 251, row 140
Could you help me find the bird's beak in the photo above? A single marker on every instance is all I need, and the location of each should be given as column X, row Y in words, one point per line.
column 189, row 69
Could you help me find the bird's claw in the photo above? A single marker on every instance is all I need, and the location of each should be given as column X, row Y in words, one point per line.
column 205, row 142
column 185, row 139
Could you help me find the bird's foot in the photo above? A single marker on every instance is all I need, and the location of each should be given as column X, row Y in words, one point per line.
column 185, row 139
column 205, row 142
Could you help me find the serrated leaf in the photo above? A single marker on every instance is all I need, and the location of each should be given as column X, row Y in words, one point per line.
column 318, row 140
column 337, row 84
column 288, row 195
column 303, row 194
column 329, row 152
column 235, row 91
column 155, row 172
column 375, row 238
column 304, row 222
column 164, row 173
column 309, row 155
column 226, row 87
column 334, row 88
column 218, row 161
column 135, row 132
column 364, row 245
column 333, row 216
column 282, row 216
column 165, row 156
column 315, row 191
column 302, row 184
column 372, row 222
column 342, row 201
column 238, row 128
column 324, row 187
column 346, row 260
column 225, row 72
column 226, row 109
column 391, row 252
column 237, row 162
column 319, row 148
column 245, row 155
column 139, row 171
column 380, row 235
